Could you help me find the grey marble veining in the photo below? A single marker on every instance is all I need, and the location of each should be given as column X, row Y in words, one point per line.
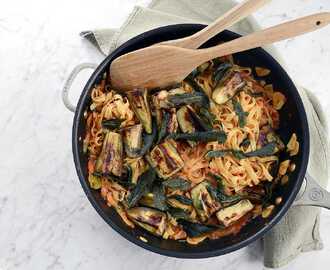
column 46, row 221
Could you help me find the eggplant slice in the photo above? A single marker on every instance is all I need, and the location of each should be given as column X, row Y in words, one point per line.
column 165, row 159
column 110, row 161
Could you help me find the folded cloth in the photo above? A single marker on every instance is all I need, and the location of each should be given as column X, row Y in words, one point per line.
column 294, row 234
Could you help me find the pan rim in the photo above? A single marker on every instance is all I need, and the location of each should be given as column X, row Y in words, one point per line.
column 124, row 232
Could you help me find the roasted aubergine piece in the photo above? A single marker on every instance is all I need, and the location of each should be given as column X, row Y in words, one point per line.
column 180, row 202
column 132, row 139
column 138, row 99
column 110, row 160
column 233, row 213
column 228, row 86
column 150, row 219
column 203, row 202
column 137, row 167
column 165, row 159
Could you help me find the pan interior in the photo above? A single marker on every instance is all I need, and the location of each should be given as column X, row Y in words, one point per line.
column 293, row 119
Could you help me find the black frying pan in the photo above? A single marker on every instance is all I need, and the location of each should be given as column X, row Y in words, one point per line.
column 293, row 119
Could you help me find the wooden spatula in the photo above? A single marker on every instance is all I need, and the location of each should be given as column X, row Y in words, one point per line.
column 161, row 66
column 234, row 15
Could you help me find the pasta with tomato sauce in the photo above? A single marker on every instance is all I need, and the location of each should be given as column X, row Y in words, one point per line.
column 193, row 162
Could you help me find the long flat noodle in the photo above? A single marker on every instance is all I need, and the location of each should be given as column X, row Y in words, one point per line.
column 250, row 171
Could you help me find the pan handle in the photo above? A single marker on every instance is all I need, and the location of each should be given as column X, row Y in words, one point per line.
column 69, row 81
column 312, row 194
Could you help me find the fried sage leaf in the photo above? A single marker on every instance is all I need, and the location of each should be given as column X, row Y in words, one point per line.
column 202, row 136
column 219, row 194
column 267, row 150
column 195, row 229
column 178, row 100
column 120, row 180
column 177, row 183
column 159, row 198
column 197, row 88
column 163, row 128
column 181, row 199
column 268, row 193
column 143, row 185
column 240, row 113
column 238, row 154
column 112, row 123
column 138, row 99
column 226, row 199
column 148, row 140
column 221, row 153
column 217, row 153
column 207, row 115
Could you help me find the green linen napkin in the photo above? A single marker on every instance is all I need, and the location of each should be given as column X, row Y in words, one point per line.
column 294, row 234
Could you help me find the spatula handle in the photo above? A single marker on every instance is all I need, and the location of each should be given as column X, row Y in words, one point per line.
column 273, row 34
column 228, row 19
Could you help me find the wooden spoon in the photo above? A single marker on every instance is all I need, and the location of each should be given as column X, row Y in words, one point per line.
column 161, row 66
column 228, row 19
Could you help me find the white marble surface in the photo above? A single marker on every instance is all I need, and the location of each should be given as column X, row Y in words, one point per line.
column 46, row 221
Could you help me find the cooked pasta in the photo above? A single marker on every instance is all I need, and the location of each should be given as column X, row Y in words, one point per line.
column 195, row 162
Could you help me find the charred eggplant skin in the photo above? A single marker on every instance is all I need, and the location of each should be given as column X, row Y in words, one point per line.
column 138, row 99
column 204, row 203
column 148, row 140
column 132, row 140
column 227, row 88
column 150, row 219
column 165, row 159
column 185, row 120
column 135, row 169
column 110, row 159
column 234, row 212
column 190, row 122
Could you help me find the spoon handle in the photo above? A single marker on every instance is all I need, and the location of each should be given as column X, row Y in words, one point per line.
column 270, row 35
column 231, row 17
